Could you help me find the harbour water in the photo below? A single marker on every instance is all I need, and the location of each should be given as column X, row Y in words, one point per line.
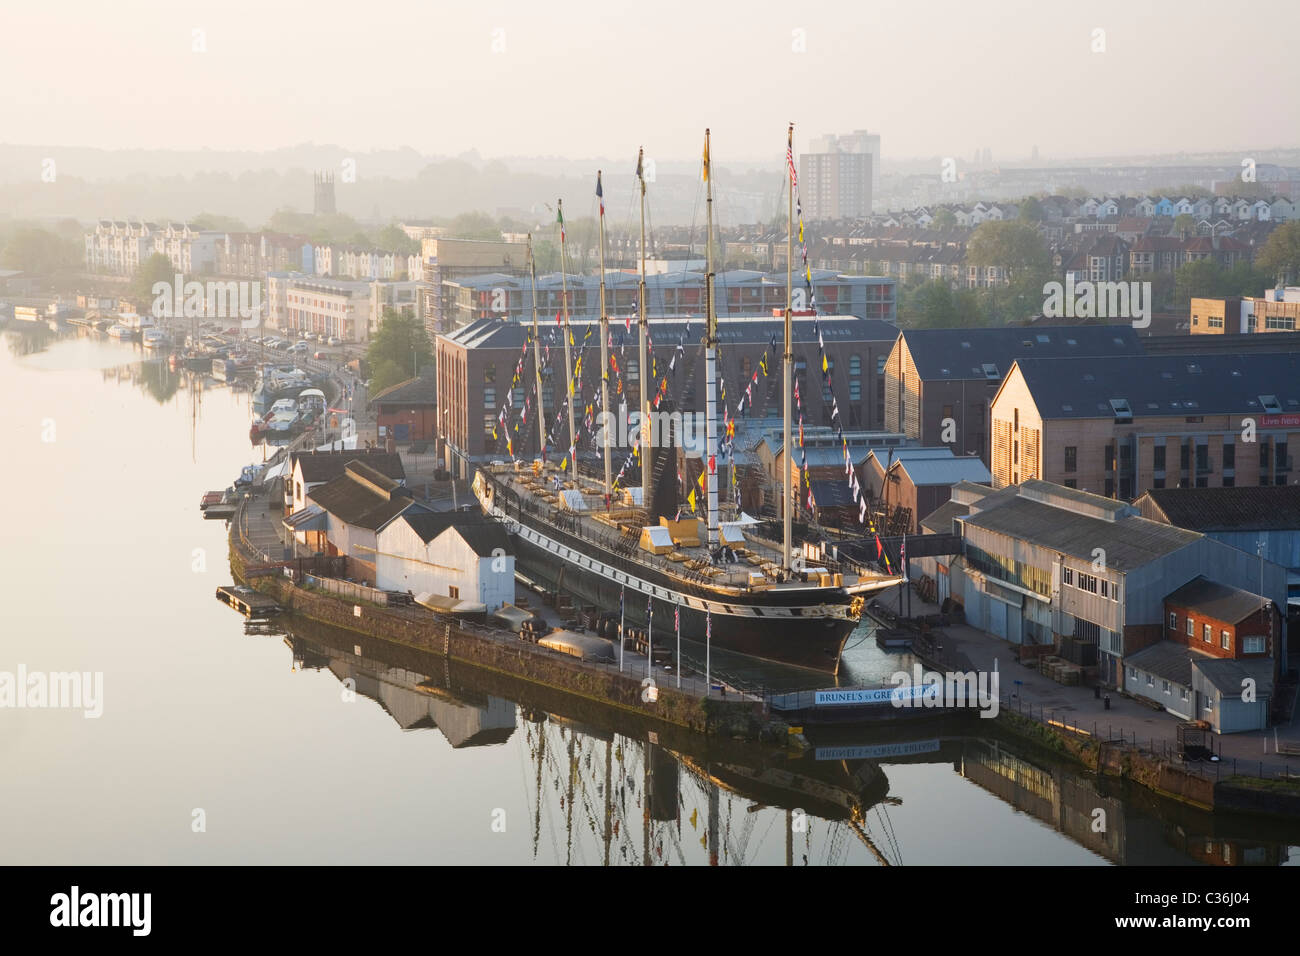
column 292, row 743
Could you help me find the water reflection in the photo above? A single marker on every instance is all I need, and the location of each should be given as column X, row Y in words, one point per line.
column 606, row 788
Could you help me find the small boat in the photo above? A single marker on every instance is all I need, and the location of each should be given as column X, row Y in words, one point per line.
column 153, row 338
column 119, row 332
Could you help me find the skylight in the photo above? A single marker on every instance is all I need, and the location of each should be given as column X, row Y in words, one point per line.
column 1270, row 403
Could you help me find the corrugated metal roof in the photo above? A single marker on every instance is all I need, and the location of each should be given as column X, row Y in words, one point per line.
column 940, row 471
column 1128, row 542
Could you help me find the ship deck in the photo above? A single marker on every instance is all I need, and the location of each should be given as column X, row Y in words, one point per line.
column 579, row 506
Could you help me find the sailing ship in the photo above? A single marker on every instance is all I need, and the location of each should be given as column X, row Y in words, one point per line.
column 725, row 588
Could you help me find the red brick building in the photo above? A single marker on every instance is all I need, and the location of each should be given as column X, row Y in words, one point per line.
column 1221, row 621
column 408, row 411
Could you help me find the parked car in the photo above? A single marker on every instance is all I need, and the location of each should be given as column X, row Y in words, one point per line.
column 333, row 340
column 318, row 356
column 299, row 347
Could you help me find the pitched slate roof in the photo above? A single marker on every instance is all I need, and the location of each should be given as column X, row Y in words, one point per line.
column 1167, row 659
column 1215, row 600
column 1174, row 385
column 1244, row 508
column 363, row 497
column 478, row 531
column 1227, row 675
column 421, row 390
column 328, row 465
column 954, row 354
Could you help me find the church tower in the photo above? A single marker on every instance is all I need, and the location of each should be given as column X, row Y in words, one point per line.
column 323, row 203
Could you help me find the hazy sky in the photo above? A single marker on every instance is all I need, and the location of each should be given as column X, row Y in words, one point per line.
column 581, row 78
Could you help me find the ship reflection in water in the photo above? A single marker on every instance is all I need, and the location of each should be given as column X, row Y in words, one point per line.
column 602, row 790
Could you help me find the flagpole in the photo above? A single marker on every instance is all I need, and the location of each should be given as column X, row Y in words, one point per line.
column 604, row 345
column 710, row 371
column 568, row 357
column 643, row 371
column 650, row 637
column 708, row 652
column 787, row 371
column 677, row 618
column 537, row 358
column 622, row 617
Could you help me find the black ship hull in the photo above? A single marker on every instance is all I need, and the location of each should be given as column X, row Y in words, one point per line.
column 799, row 627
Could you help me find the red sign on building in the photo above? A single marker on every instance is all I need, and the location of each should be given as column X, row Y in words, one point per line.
column 1279, row 421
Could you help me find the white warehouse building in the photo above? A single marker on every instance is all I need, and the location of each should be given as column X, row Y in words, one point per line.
column 450, row 560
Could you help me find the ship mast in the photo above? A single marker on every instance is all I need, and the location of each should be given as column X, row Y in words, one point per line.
column 787, row 366
column 537, row 357
column 643, row 371
column 710, row 368
column 568, row 356
column 604, row 341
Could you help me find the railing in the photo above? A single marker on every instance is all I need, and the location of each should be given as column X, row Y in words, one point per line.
column 1158, row 747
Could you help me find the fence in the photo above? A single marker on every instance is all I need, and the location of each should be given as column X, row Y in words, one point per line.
column 1156, row 747
column 348, row 589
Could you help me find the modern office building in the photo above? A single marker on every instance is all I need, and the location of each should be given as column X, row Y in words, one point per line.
column 1133, row 423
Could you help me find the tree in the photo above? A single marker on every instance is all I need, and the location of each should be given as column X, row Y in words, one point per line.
column 1013, row 247
column 1280, row 256
column 1184, row 224
column 944, row 219
column 1197, row 279
column 399, row 348
column 1031, row 210
column 211, row 221
column 392, row 239
column 41, row 252
column 157, row 268
column 474, row 225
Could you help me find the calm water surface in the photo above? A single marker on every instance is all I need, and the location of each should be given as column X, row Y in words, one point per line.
column 107, row 567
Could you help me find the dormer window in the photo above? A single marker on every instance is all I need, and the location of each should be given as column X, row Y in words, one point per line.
column 1270, row 403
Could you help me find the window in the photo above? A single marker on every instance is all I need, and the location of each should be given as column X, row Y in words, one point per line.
column 1067, row 576
column 1164, row 686
column 1110, row 488
column 1263, row 453
column 1109, row 463
column 1087, row 583
column 1191, row 626
column 1105, row 588
column 489, row 423
column 1071, row 483
column 855, row 365
column 1173, row 621
column 1133, row 673
column 855, row 390
column 1184, row 457
column 1151, row 681
column 1207, row 633
column 1224, row 640
column 453, row 591
column 1229, row 455
column 1159, row 462
column 489, row 397
column 490, row 372
column 1252, row 645
column 1071, row 458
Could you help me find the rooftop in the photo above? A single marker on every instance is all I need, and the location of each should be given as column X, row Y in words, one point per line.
column 1134, row 386
column 1215, row 600
column 988, row 353
column 1244, row 508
